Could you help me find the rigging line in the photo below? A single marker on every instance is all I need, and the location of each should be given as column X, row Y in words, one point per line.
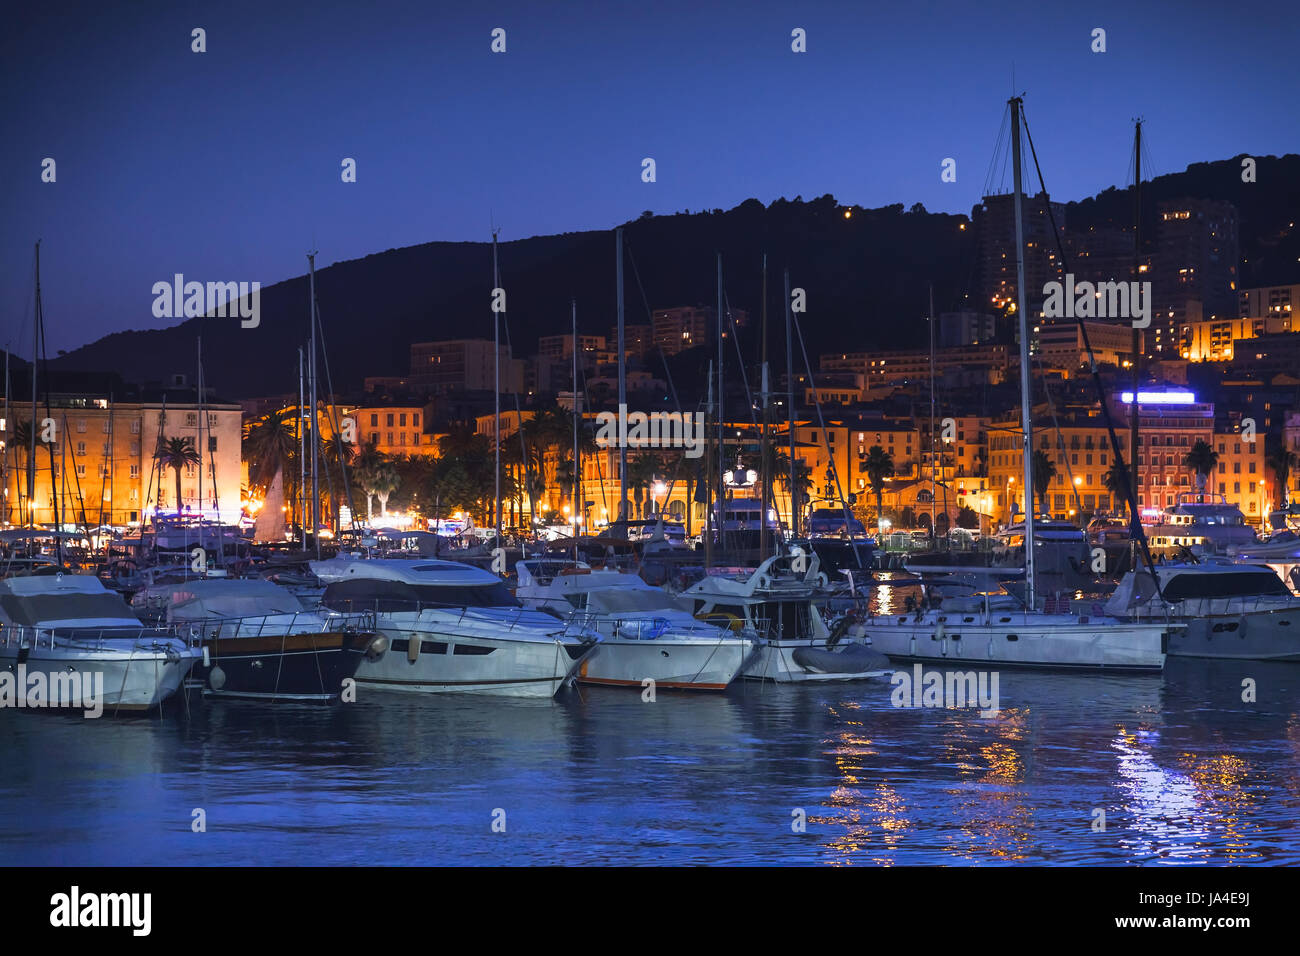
column 523, row 446
column 1129, row 474
column 830, row 454
column 332, row 417
column 1056, row 426
column 668, row 372
column 744, row 376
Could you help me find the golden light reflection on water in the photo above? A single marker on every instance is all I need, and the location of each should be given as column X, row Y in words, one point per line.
column 873, row 819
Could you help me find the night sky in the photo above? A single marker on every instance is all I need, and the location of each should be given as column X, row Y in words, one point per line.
column 226, row 165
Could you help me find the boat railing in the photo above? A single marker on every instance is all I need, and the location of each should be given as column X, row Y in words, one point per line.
column 648, row 627
column 36, row 636
column 383, row 607
column 273, row 624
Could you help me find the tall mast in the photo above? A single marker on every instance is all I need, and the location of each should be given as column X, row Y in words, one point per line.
column 789, row 401
column 36, row 341
column 1026, row 395
column 766, row 476
column 496, row 389
column 722, row 448
column 709, row 523
column 201, row 447
column 301, row 503
column 315, row 421
column 577, row 459
column 622, row 374
column 1136, row 377
column 4, row 436
column 934, row 464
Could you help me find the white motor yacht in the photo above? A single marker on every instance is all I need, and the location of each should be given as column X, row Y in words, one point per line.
column 1228, row 610
column 452, row 628
column 783, row 602
column 645, row 633
column 62, row 624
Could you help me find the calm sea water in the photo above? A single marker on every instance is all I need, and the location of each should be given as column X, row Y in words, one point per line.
column 1186, row 772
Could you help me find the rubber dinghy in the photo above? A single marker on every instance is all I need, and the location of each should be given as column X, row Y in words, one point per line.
column 844, row 659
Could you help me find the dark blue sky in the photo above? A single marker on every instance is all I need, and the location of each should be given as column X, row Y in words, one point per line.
column 225, row 165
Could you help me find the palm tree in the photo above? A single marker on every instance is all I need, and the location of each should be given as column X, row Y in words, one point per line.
column 176, row 453
column 879, row 466
column 1044, row 472
column 1282, row 461
column 1201, row 460
column 1116, row 482
column 385, row 480
column 269, row 444
column 803, row 483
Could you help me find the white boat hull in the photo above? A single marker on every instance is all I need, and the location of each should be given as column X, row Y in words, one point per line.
column 687, row 664
column 455, row 663
column 1269, row 636
column 131, row 681
column 1061, row 642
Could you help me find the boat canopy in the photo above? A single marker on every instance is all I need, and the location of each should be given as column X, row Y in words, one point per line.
column 195, row 600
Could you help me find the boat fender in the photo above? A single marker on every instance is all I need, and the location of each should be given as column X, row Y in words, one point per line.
column 939, row 632
column 413, row 648
column 376, row 648
column 217, row 678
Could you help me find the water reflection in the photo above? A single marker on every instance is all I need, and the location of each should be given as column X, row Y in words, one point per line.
column 1186, row 770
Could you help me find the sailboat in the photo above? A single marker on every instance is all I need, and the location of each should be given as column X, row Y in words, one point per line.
column 1007, row 630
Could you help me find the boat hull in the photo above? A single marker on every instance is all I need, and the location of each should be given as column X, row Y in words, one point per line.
column 692, row 664
column 1273, row 636
column 131, row 682
column 1055, row 642
column 307, row 667
column 446, row 662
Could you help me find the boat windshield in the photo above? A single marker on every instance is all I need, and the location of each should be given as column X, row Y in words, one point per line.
column 629, row 599
column 1235, row 584
column 32, row 609
column 374, row 594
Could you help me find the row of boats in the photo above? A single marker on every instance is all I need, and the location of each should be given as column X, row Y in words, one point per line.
column 420, row 624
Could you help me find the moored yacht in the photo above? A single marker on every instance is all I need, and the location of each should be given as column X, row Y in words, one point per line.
column 1234, row 611
column 452, row 628
column 1201, row 523
column 61, row 624
column 645, row 633
column 260, row 641
column 783, row 602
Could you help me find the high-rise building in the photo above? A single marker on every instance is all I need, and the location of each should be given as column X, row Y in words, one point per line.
column 464, row 365
column 994, row 220
column 1194, row 268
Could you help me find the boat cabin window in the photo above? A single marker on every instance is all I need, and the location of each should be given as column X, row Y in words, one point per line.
column 372, row 594
column 1233, row 584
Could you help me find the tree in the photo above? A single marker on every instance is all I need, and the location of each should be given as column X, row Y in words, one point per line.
column 879, row 466
column 269, row 444
column 1044, row 472
column 1201, row 461
column 1116, row 482
column 386, row 480
column 176, row 453
column 967, row 518
column 1282, row 461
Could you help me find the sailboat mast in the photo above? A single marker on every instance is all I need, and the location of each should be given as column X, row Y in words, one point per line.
column 496, row 391
column 789, row 401
column 199, row 443
column 302, row 457
column 1026, row 395
column 934, row 531
column 708, row 483
column 1136, row 377
column 315, row 422
column 622, row 373
column 36, row 341
column 577, row 458
column 722, row 448
column 765, row 477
